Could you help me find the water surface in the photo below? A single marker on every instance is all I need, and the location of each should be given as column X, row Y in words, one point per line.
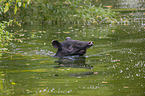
column 114, row 66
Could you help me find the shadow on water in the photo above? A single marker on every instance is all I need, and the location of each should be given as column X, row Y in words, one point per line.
column 74, row 62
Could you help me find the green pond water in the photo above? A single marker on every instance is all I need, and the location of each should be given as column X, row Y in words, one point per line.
column 113, row 66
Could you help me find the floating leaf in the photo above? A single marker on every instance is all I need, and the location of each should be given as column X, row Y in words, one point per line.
column 109, row 6
column 126, row 86
column 33, row 30
column 104, row 82
column 95, row 72
column 79, row 77
column 113, row 31
column 27, row 64
column 44, row 31
column 27, row 90
column 13, row 83
column 76, row 81
column 40, row 31
column 22, row 34
column 66, row 32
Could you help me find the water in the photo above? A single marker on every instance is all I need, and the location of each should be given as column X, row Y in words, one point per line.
column 114, row 66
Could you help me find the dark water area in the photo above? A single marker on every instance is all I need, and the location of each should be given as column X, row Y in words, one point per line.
column 113, row 66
